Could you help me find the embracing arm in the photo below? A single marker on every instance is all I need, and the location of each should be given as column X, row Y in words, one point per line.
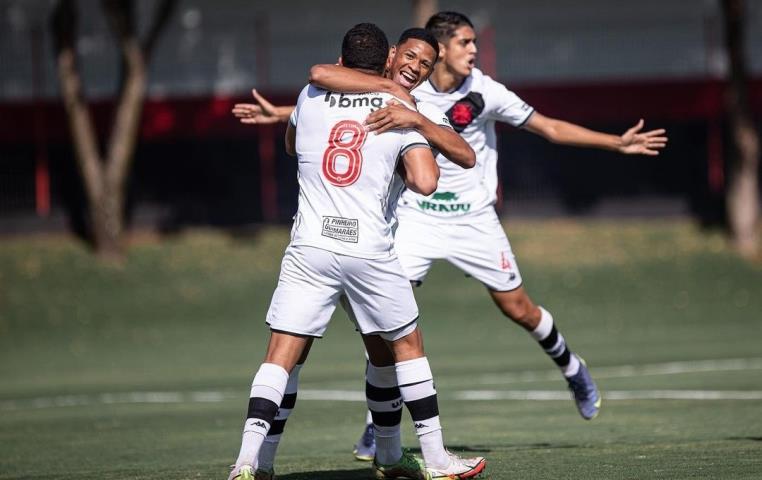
column 346, row 80
column 566, row 133
column 444, row 139
column 420, row 172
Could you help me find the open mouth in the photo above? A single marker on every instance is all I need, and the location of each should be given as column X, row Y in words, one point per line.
column 471, row 62
column 407, row 79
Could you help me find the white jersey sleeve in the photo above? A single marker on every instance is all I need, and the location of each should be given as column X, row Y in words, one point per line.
column 294, row 117
column 505, row 106
column 434, row 114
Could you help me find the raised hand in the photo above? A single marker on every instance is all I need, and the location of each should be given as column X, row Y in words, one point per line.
column 261, row 112
column 646, row 143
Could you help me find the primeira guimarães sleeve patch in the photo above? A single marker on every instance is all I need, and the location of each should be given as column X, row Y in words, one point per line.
column 465, row 111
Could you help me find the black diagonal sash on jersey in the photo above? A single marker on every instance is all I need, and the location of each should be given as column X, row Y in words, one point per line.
column 465, row 110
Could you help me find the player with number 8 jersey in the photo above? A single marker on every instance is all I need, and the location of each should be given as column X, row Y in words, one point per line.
column 345, row 174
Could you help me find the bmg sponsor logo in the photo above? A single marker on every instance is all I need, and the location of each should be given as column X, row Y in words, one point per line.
column 356, row 100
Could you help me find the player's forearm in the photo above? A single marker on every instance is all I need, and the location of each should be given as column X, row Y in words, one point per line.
column 448, row 143
column 566, row 133
column 284, row 113
column 346, row 80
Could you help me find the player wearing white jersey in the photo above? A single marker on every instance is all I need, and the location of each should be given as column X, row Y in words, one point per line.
column 458, row 223
column 341, row 242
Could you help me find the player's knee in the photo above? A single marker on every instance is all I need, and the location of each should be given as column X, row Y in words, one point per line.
column 519, row 309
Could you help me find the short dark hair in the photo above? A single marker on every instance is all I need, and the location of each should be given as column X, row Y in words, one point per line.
column 365, row 46
column 443, row 24
column 423, row 35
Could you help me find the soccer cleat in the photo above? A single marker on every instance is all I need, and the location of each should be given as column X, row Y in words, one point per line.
column 585, row 393
column 264, row 474
column 365, row 450
column 241, row 472
column 408, row 466
column 459, row 468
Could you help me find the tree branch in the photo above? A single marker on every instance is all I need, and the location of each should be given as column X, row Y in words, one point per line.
column 64, row 27
column 162, row 14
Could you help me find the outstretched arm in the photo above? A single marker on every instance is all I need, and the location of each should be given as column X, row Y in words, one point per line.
column 444, row 139
column 261, row 112
column 346, row 80
column 630, row 142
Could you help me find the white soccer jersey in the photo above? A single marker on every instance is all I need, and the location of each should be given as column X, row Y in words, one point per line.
column 472, row 110
column 435, row 116
column 345, row 173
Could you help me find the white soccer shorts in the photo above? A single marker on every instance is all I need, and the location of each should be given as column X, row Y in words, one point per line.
column 480, row 249
column 312, row 280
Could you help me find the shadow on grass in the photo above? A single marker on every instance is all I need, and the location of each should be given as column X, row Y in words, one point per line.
column 356, row 474
column 753, row 439
column 486, row 450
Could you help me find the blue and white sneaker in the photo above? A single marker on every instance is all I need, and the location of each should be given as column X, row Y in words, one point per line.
column 365, row 450
column 584, row 392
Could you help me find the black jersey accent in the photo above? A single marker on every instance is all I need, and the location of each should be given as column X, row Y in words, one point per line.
column 465, row 110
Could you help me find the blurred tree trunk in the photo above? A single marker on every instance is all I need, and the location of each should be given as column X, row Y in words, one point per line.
column 743, row 188
column 422, row 10
column 105, row 174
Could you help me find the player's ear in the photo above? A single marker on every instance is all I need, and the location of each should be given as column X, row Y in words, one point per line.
column 390, row 57
column 442, row 50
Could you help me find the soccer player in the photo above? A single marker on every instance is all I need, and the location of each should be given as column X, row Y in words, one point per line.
column 458, row 223
column 342, row 242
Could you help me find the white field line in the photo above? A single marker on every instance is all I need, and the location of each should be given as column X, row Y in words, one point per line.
column 627, row 371
column 624, row 371
column 359, row 396
column 613, row 395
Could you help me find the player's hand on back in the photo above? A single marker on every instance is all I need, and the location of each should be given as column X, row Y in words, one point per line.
column 262, row 112
column 646, row 143
column 393, row 115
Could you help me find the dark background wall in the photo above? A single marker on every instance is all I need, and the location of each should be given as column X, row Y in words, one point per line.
column 603, row 64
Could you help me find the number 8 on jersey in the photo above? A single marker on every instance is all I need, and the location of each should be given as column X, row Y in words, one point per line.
column 345, row 140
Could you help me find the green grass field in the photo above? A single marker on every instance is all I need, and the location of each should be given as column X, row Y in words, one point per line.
column 143, row 372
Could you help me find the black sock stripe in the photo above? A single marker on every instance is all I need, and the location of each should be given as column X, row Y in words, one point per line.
column 551, row 339
column 289, row 401
column 262, row 408
column 387, row 419
column 417, row 383
column 423, row 408
column 381, row 394
column 276, row 428
column 563, row 359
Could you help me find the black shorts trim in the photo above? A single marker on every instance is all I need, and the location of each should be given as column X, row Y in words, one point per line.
column 503, row 291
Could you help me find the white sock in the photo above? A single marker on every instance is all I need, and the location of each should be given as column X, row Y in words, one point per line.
column 573, row 367
column 417, row 388
column 266, row 394
column 269, row 448
column 554, row 344
column 385, row 402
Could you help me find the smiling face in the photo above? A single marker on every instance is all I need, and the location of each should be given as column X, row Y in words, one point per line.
column 459, row 53
column 411, row 62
